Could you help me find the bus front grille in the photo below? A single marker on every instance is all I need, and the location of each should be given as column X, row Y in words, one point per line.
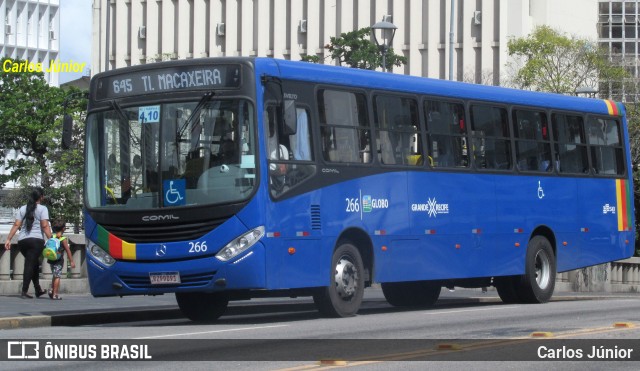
column 164, row 232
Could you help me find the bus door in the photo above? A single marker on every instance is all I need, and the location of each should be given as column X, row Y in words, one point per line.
column 293, row 217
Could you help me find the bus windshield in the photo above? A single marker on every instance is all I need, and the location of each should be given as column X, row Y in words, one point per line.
column 171, row 154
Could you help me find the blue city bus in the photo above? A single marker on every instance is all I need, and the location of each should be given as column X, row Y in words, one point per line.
column 226, row 179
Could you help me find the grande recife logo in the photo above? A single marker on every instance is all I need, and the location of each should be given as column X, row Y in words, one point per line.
column 432, row 207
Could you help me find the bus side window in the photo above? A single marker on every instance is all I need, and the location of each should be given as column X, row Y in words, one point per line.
column 570, row 144
column 533, row 145
column 607, row 154
column 447, row 134
column 344, row 126
column 301, row 140
column 396, row 121
column 491, row 144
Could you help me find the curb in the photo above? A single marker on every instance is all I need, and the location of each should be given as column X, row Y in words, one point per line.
column 24, row 322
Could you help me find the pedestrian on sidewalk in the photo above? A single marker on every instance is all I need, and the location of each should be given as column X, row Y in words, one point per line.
column 58, row 227
column 32, row 220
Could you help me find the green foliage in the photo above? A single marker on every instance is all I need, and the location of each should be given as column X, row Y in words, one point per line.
column 31, row 114
column 355, row 49
column 548, row 60
column 633, row 122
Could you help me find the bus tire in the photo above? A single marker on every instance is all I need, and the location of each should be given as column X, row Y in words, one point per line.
column 508, row 288
column 343, row 297
column 200, row 306
column 539, row 277
column 416, row 293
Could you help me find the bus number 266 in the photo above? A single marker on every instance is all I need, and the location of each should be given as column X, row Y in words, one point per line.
column 353, row 205
column 196, row 247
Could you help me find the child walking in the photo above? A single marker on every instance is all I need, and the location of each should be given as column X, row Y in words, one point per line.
column 58, row 227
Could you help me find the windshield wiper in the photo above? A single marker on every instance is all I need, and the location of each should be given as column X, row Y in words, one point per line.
column 196, row 111
column 116, row 107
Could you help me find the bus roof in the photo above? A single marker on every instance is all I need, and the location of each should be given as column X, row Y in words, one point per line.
column 328, row 74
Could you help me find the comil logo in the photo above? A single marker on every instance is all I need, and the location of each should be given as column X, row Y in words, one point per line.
column 23, row 350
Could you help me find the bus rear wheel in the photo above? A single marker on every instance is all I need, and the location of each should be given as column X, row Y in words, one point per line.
column 416, row 293
column 539, row 278
column 508, row 288
column 200, row 306
column 343, row 297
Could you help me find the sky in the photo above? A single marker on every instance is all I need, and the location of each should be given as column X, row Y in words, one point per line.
column 75, row 35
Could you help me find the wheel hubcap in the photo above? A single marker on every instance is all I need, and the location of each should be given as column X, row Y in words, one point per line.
column 543, row 270
column 346, row 278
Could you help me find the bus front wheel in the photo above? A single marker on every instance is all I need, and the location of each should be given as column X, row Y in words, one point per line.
column 200, row 306
column 343, row 296
column 539, row 278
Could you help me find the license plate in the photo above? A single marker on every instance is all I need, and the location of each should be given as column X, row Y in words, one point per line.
column 164, row 278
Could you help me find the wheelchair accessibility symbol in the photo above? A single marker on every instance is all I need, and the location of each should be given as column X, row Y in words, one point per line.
column 174, row 192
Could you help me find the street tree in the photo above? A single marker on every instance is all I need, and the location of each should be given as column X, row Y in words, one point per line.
column 633, row 123
column 548, row 60
column 356, row 50
column 31, row 114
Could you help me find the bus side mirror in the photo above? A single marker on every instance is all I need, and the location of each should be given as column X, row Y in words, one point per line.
column 67, row 127
column 290, row 124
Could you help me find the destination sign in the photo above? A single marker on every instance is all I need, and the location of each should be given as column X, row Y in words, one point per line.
column 171, row 79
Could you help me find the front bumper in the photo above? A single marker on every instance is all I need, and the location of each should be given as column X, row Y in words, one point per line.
column 204, row 274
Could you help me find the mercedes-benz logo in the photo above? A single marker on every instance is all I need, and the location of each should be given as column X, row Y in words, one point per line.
column 161, row 250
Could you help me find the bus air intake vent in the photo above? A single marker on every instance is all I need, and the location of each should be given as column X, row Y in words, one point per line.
column 191, row 280
column 316, row 222
column 164, row 232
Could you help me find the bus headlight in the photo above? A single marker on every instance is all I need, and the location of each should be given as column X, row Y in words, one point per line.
column 240, row 244
column 100, row 255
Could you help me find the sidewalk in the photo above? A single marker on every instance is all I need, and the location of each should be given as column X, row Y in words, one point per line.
column 84, row 309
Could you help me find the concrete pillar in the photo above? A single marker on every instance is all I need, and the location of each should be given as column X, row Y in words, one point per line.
column 78, row 259
column 45, row 271
column 616, row 273
column 18, row 266
column 625, row 274
column 563, row 277
column 5, row 264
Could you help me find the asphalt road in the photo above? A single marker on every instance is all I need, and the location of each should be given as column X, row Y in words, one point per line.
column 458, row 335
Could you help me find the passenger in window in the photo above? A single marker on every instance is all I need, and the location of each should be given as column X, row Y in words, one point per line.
column 302, row 148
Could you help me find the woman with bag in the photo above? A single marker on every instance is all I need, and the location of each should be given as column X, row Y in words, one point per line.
column 32, row 220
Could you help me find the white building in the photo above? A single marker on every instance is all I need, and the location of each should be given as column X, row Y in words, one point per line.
column 618, row 33
column 131, row 32
column 30, row 31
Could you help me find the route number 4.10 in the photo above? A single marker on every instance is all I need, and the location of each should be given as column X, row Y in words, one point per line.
column 149, row 114
column 353, row 205
column 195, row 247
